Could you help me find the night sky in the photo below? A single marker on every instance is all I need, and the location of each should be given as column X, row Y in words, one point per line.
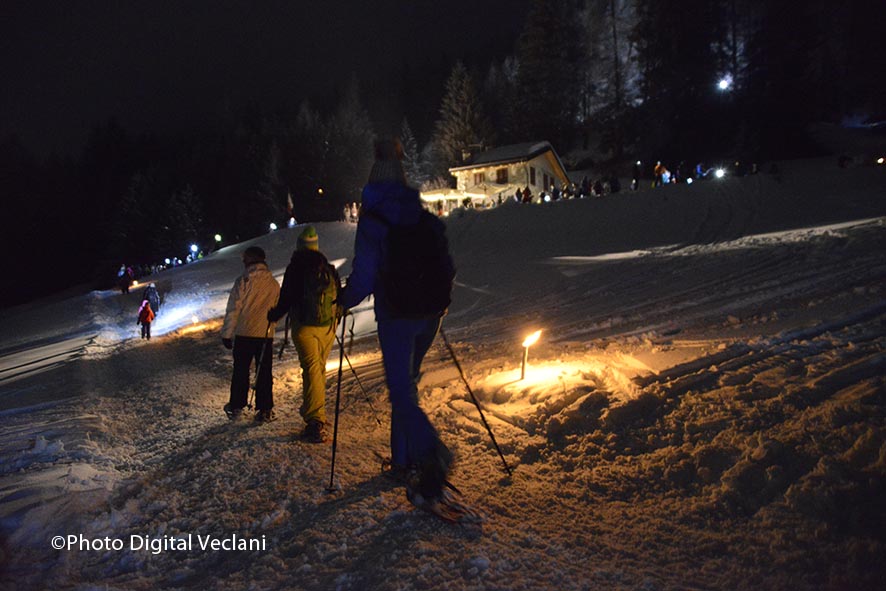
column 162, row 66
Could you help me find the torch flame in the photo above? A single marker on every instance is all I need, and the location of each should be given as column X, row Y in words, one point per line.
column 532, row 339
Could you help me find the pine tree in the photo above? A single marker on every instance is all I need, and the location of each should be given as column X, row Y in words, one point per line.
column 610, row 82
column 182, row 222
column 548, row 80
column 349, row 139
column 676, row 43
column 462, row 125
column 302, row 159
column 498, row 87
column 411, row 155
column 263, row 204
column 133, row 225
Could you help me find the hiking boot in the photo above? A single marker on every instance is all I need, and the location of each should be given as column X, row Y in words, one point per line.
column 265, row 416
column 395, row 472
column 314, row 432
column 426, row 482
column 233, row 413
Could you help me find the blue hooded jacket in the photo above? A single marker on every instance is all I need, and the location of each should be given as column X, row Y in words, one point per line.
column 399, row 205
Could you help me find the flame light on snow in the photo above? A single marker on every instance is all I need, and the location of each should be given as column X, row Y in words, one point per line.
column 528, row 342
column 173, row 317
column 532, row 339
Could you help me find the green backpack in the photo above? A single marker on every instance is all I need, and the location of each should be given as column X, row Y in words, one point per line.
column 321, row 286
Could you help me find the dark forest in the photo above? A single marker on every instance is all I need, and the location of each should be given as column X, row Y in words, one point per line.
column 608, row 82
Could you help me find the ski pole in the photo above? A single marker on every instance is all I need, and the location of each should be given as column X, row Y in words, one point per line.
column 285, row 338
column 341, row 357
column 359, row 383
column 261, row 359
column 351, row 333
column 476, row 402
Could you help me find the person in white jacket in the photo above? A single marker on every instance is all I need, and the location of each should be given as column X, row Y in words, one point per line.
column 247, row 331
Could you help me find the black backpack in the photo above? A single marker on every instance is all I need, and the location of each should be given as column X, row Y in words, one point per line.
column 320, row 290
column 416, row 268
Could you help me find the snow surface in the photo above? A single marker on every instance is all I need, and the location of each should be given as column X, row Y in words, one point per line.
column 704, row 410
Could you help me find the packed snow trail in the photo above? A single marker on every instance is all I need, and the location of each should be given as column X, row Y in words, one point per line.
column 695, row 416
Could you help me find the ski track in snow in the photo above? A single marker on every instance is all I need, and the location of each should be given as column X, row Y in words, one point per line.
column 703, row 411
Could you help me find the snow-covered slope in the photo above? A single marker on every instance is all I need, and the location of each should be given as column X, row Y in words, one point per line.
column 704, row 410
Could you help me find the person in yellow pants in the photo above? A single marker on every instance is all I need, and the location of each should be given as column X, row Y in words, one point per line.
column 309, row 295
column 313, row 344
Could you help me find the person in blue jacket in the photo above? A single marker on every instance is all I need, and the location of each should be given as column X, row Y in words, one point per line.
column 416, row 450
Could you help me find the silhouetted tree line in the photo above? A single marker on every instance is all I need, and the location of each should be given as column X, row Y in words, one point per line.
column 604, row 80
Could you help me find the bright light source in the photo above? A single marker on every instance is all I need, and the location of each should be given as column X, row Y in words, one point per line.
column 689, row 180
column 273, row 226
column 528, row 342
column 320, row 190
column 194, row 319
column 719, row 173
column 881, row 160
column 135, row 284
column 723, row 84
column 532, row 339
column 167, row 261
column 638, row 163
column 194, row 248
column 291, row 223
column 218, row 238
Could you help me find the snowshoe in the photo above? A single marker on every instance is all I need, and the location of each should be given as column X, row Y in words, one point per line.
column 314, row 432
column 428, row 479
column 394, row 472
column 452, row 510
column 265, row 416
column 232, row 413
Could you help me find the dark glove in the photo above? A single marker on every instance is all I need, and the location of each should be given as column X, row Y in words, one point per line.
column 228, row 343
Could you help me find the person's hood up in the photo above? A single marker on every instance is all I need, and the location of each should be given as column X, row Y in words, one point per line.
column 397, row 203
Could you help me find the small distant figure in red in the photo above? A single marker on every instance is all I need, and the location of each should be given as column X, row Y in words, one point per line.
column 145, row 317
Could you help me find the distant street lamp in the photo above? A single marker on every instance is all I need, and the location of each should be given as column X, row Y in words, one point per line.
column 218, row 238
column 273, row 226
column 723, row 84
column 194, row 248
